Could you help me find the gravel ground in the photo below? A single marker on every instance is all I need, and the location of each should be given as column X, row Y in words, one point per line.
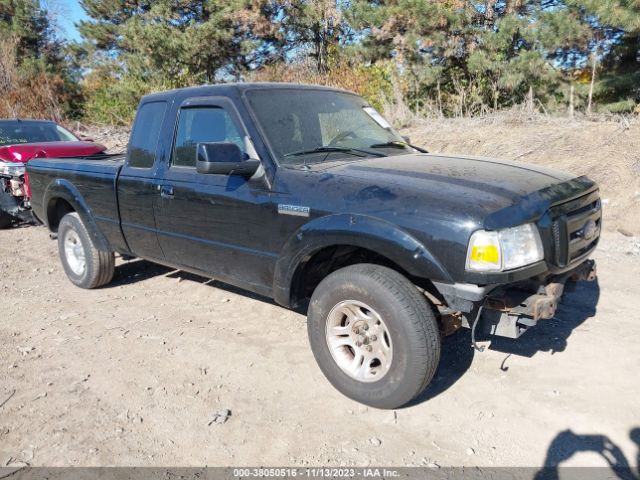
column 165, row 368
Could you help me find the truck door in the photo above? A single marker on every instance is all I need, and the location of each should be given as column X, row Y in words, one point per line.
column 137, row 187
column 209, row 222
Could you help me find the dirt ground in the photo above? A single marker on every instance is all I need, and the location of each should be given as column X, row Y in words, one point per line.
column 134, row 374
column 138, row 372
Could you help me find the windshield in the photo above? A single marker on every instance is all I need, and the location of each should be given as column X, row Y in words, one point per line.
column 305, row 126
column 12, row 133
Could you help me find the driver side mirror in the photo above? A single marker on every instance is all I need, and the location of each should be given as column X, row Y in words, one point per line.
column 223, row 158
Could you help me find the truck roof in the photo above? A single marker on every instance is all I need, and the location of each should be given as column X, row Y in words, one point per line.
column 224, row 89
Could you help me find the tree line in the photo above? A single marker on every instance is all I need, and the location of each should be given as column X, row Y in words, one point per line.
column 423, row 57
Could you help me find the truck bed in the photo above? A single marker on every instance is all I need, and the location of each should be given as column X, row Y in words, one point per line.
column 100, row 163
column 94, row 177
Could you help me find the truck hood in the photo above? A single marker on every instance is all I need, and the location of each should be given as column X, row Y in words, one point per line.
column 455, row 174
column 23, row 152
column 490, row 192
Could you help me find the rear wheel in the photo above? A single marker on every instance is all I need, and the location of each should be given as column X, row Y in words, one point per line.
column 6, row 220
column 84, row 264
column 374, row 335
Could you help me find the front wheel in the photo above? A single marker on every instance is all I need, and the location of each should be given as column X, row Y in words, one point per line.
column 374, row 335
column 84, row 264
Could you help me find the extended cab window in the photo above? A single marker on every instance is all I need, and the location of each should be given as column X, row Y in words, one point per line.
column 202, row 125
column 146, row 131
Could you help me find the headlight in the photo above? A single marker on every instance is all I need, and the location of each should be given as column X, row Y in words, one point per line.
column 12, row 169
column 504, row 249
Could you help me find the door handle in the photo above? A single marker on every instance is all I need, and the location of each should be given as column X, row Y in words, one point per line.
column 166, row 191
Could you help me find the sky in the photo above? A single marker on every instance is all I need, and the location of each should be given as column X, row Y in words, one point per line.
column 65, row 14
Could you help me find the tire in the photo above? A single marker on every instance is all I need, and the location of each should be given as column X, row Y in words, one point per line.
column 84, row 264
column 401, row 335
column 6, row 220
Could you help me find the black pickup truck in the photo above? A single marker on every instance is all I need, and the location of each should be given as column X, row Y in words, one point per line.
column 308, row 196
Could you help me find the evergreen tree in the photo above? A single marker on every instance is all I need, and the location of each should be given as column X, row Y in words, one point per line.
column 175, row 43
column 459, row 57
column 615, row 49
column 314, row 28
column 36, row 78
column 27, row 22
column 474, row 55
column 137, row 46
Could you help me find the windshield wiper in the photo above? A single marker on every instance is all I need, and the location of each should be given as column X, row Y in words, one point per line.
column 327, row 149
column 397, row 144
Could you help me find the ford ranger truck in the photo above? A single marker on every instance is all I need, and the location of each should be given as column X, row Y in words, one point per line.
column 307, row 195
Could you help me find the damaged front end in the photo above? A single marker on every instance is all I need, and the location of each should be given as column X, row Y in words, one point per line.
column 14, row 195
column 509, row 312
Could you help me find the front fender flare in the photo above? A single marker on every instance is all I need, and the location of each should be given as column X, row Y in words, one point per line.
column 371, row 233
column 65, row 190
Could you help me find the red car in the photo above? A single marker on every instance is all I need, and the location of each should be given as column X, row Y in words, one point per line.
column 20, row 141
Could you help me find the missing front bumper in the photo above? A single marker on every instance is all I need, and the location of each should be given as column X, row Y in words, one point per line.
column 511, row 312
column 17, row 207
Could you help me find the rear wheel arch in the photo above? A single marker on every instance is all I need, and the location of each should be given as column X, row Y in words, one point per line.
column 57, row 208
column 61, row 198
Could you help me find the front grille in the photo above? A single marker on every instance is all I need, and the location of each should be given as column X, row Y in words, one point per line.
column 576, row 228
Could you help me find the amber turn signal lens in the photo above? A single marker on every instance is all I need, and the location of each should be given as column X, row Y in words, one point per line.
column 485, row 254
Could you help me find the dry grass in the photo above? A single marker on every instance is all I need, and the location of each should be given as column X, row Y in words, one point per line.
column 607, row 150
